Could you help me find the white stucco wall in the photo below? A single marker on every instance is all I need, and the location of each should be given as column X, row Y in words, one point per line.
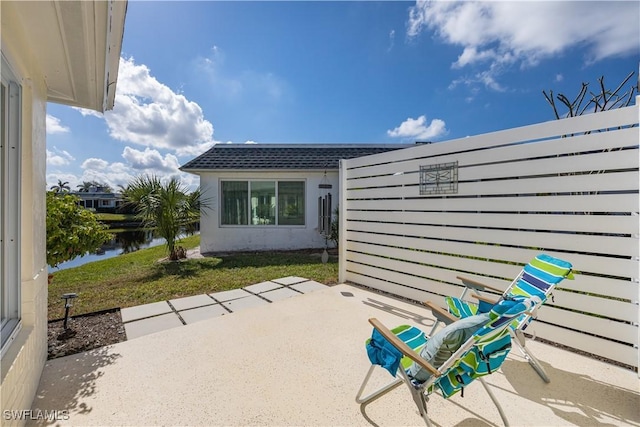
column 24, row 360
column 217, row 238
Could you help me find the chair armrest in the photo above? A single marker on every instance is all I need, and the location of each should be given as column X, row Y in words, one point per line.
column 440, row 314
column 486, row 299
column 402, row 347
column 474, row 284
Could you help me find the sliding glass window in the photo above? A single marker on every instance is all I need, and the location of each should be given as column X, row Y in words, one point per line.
column 259, row 203
column 291, row 203
column 235, row 202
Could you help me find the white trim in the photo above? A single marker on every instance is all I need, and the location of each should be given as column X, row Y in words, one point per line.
column 10, row 206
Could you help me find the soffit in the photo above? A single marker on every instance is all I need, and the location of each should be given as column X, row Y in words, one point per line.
column 78, row 45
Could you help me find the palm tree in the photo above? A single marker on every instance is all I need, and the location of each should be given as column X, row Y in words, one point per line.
column 61, row 187
column 85, row 186
column 166, row 207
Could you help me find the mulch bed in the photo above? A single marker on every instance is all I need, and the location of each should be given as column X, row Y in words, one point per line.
column 85, row 332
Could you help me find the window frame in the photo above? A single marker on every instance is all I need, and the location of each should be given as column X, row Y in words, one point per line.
column 248, row 224
column 10, row 206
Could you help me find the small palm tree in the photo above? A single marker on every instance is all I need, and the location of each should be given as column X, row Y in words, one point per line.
column 166, row 207
column 61, row 187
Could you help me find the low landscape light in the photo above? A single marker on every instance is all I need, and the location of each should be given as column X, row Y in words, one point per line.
column 68, row 298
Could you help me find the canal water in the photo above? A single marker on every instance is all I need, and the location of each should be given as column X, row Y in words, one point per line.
column 123, row 242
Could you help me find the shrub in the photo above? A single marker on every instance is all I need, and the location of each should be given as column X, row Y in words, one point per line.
column 72, row 230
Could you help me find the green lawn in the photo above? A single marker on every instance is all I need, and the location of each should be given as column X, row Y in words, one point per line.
column 113, row 217
column 138, row 278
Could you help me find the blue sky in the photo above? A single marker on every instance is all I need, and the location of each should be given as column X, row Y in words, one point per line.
column 193, row 74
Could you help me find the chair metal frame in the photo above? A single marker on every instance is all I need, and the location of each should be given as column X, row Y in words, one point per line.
column 420, row 392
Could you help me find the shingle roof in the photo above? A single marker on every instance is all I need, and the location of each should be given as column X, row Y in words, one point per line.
column 283, row 156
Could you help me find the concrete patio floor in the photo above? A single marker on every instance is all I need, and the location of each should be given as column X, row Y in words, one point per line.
column 300, row 361
column 159, row 316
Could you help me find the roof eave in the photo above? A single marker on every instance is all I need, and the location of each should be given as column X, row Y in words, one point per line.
column 197, row 171
column 78, row 45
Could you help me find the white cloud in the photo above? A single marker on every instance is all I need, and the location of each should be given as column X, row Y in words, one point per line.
column 95, row 164
column 150, row 114
column 117, row 174
column 392, row 40
column 195, row 150
column 58, row 157
column 54, row 126
column 151, row 160
column 113, row 174
column 418, row 129
column 503, row 33
column 86, row 112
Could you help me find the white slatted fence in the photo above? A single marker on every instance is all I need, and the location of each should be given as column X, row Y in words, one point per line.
column 568, row 188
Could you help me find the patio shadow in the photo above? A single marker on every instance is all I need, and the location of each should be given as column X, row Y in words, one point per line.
column 72, row 383
column 418, row 318
column 579, row 399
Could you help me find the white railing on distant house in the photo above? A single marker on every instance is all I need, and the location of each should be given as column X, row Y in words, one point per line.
column 413, row 219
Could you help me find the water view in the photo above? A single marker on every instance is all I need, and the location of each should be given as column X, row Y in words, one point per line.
column 124, row 242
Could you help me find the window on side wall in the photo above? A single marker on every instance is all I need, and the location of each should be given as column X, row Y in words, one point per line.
column 260, row 203
column 10, row 124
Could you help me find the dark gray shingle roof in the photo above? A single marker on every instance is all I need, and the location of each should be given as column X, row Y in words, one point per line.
column 283, row 156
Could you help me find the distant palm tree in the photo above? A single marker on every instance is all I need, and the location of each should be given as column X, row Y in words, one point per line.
column 166, row 207
column 85, row 186
column 61, row 187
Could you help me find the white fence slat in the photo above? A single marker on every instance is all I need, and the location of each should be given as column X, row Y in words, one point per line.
column 408, row 280
column 452, row 264
column 434, row 266
column 624, row 246
column 619, row 331
column 615, row 288
column 604, row 307
column 354, row 277
column 585, row 163
column 622, row 181
column 610, row 308
column 580, row 223
column 584, row 203
column 498, row 162
column 582, row 263
column 610, row 349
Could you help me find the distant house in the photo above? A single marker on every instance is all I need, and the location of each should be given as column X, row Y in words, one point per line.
column 271, row 197
column 98, row 200
column 66, row 52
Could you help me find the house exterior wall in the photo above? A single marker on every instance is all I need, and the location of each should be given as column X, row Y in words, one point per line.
column 25, row 357
column 215, row 237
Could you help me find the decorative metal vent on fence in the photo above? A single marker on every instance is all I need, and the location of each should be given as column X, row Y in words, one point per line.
column 440, row 178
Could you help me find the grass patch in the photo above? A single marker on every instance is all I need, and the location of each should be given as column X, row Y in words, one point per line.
column 138, row 278
column 111, row 217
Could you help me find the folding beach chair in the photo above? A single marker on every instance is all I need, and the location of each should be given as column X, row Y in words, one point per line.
column 538, row 278
column 449, row 360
